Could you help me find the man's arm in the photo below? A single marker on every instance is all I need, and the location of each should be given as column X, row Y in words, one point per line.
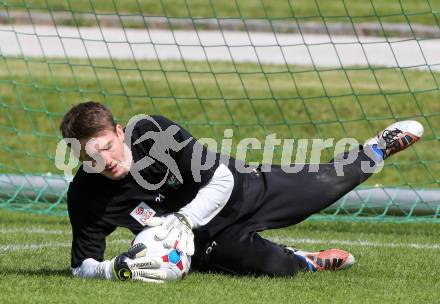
column 176, row 230
column 131, row 265
column 88, row 248
column 211, row 198
column 215, row 184
column 91, row 268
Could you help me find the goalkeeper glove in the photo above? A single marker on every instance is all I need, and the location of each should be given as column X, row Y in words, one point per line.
column 135, row 265
column 176, row 232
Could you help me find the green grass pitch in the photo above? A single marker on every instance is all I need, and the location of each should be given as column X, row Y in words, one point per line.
column 395, row 263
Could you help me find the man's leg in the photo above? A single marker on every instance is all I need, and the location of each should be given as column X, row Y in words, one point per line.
column 291, row 198
column 240, row 252
column 287, row 200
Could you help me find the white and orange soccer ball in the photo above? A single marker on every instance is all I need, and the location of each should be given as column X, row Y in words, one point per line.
column 175, row 263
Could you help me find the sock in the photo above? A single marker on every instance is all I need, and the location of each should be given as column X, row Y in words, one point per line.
column 378, row 152
column 301, row 255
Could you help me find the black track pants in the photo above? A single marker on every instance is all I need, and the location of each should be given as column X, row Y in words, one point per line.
column 288, row 198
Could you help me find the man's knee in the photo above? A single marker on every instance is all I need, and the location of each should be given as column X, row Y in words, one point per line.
column 255, row 256
column 279, row 264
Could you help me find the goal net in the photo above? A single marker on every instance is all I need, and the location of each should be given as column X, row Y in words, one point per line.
column 298, row 69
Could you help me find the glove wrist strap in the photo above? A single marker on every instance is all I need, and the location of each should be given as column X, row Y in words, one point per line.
column 184, row 219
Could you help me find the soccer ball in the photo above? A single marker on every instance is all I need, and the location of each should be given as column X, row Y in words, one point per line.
column 175, row 263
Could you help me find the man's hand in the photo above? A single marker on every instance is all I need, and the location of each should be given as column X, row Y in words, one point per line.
column 176, row 232
column 135, row 265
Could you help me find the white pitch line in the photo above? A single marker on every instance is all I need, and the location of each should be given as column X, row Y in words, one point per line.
column 288, row 240
column 27, row 247
column 363, row 243
column 51, row 245
column 36, row 230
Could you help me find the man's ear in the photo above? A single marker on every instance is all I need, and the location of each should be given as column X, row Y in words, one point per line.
column 120, row 131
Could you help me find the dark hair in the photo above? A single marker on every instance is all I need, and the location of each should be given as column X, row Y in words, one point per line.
column 86, row 119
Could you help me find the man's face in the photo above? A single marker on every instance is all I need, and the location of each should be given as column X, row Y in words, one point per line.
column 107, row 154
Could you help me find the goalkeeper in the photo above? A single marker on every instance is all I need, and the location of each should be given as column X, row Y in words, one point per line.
column 204, row 203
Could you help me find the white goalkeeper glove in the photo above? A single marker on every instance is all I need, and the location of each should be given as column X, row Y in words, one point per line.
column 135, row 265
column 175, row 231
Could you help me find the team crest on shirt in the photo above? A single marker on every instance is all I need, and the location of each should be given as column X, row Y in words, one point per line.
column 173, row 182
